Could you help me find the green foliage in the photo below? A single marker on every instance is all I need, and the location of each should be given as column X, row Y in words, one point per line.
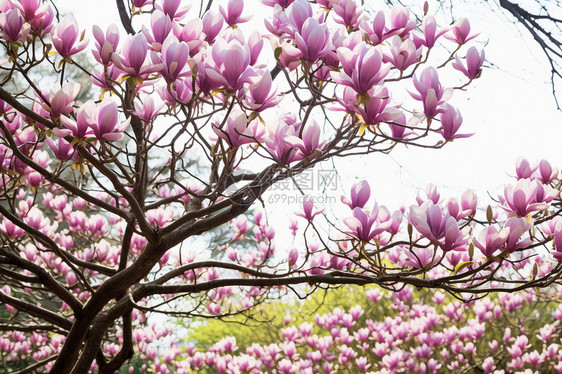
column 264, row 324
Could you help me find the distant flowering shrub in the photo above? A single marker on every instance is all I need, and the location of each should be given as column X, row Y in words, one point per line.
column 401, row 332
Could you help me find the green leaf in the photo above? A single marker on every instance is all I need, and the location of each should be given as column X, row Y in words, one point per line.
column 462, row 265
column 277, row 53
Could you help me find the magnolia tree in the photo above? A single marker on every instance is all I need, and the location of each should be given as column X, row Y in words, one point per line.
column 110, row 207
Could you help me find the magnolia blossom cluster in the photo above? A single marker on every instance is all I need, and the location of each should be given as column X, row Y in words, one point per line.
column 521, row 231
column 194, row 57
column 393, row 333
column 106, row 195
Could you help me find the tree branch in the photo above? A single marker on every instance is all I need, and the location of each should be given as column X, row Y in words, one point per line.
column 124, row 16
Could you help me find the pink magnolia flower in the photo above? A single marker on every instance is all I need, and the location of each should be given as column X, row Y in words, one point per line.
column 403, row 54
column 212, row 25
column 461, row 31
column 92, row 121
column 455, row 257
column 237, row 130
column 517, row 227
column 17, row 120
column 133, row 59
column 9, row 229
column 430, row 92
column 159, row 217
column 526, row 197
column 148, row 109
column 395, row 222
column 231, row 64
column 172, row 9
column 106, row 78
column 106, row 121
column 174, row 57
column 474, row 61
column 82, row 127
column 192, row 34
column 430, row 33
column 308, row 212
column 281, row 151
column 490, row 240
column 420, row 257
column 161, row 25
column 13, row 25
column 467, row 206
column 293, row 258
column 180, row 92
column 376, row 30
column 362, row 67
column 341, row 38
column 25, row 140
column 240, row 226
column 65, row 37
column 282, row 3
column 290, row 56
column 42, row 23
column 277, row 24
column 61, row 148
column 4, row 107
column 348, row 13
column 106, row 44
column 259, row 95
column 309, row 142
column 35, row 219
column 360, row 193
column 377, row 110
column 488, row 365
column 439, row 227
column 285, row 366
column 365, row 226
column 62, row 99
column 546, row 332
column 400, row 22
column 32, row 10
column 431, row 193
column 255, row 42
column 451, row 121
column 523, row 168
column 548, row 227
column 294, row 226
column 348, row 100
column 546, row 172
column 213, row 308
column 233, row 13
column 454, row 209
column 313, row 40
column 298, row 12
column 141, row 3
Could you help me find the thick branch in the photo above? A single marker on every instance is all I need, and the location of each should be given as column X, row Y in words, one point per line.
column 36, row 311
column 124, row 16
column 47, row 280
